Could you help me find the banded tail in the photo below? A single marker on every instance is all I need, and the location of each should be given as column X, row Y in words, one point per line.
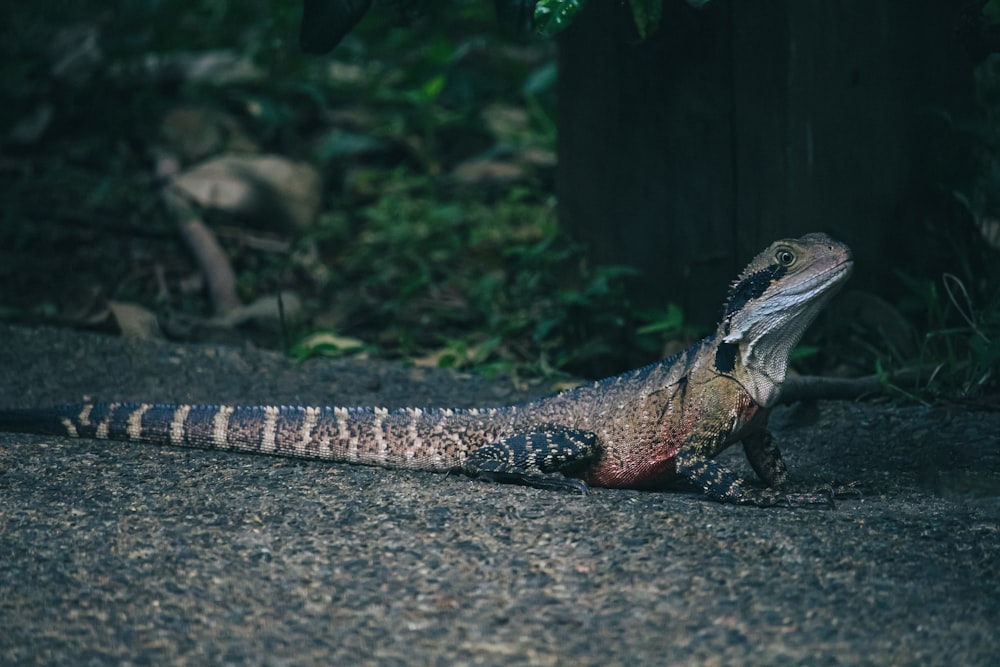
column 425, row 439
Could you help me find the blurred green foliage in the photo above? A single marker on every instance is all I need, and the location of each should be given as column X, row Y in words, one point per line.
column 406, row 260
column 411, row 263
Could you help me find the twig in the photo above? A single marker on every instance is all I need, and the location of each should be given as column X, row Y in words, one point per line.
column 953, row 283
column 212, row 259
column 815, row 387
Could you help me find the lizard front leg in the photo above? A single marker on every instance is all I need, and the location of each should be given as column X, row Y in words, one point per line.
column 765, row 458
column 540, row 458
column 721, row 484
column 766, row 461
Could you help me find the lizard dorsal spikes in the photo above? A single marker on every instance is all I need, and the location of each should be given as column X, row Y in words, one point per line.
column 749, row 286
column 775, row 300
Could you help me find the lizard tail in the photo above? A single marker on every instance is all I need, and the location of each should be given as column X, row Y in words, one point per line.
column 407, row 438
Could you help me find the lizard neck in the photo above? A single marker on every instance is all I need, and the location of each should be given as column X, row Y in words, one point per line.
column 762, row 345
column 763, row 366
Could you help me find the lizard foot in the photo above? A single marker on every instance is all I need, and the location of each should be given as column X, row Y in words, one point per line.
column 823, row 496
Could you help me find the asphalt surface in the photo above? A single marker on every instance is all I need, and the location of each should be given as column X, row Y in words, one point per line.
column 132, row 554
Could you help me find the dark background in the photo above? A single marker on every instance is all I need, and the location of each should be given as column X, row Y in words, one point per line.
column 491, row 199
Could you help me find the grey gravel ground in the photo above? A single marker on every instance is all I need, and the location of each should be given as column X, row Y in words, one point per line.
column 119, row 554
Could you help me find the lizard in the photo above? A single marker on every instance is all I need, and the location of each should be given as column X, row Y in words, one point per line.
column 640, row 429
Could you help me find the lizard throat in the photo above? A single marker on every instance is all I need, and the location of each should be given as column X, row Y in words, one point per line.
column 767, row 331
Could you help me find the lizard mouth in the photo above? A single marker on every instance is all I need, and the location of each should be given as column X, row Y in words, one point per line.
column 830, row 277
column 841, row 271
column 845, row 267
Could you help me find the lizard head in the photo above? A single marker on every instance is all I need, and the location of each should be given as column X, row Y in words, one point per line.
column 771, row 305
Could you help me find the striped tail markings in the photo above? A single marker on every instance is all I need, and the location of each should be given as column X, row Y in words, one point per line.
column 178, row 434
column 435, row 439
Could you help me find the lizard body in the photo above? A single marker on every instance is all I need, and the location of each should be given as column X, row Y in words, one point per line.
column 638, row 429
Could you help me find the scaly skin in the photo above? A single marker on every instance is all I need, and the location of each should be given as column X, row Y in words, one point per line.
column 639, row 429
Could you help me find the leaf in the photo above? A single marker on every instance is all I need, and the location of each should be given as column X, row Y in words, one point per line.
column 542, row 79
column 134, row 321
column 647, row 15
column 991, row 10
column 987, row 352
column 554, row 16
column 339, row 143
column 326, row 344
column 432, row 88
column 669, row 323
column 267, row 311
column 804, row 352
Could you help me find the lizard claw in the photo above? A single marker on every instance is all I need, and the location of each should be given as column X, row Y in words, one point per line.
column 824, row 495
column 821, row 497
column 849, row 491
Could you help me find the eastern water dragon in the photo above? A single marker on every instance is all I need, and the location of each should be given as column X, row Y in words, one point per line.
column 639, row 429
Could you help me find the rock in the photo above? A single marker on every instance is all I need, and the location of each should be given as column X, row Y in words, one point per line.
column 267, row 190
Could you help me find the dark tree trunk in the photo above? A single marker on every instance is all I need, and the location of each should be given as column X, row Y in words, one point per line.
column 744, row 122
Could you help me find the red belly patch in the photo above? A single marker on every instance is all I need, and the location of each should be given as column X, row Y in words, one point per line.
column 640, row 470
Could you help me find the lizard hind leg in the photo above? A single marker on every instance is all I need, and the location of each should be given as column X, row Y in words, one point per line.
column 543, row 458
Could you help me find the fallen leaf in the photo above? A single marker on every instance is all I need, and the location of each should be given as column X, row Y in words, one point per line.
column 134, row 321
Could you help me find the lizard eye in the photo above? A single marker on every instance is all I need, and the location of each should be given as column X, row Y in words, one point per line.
column 785, row 257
